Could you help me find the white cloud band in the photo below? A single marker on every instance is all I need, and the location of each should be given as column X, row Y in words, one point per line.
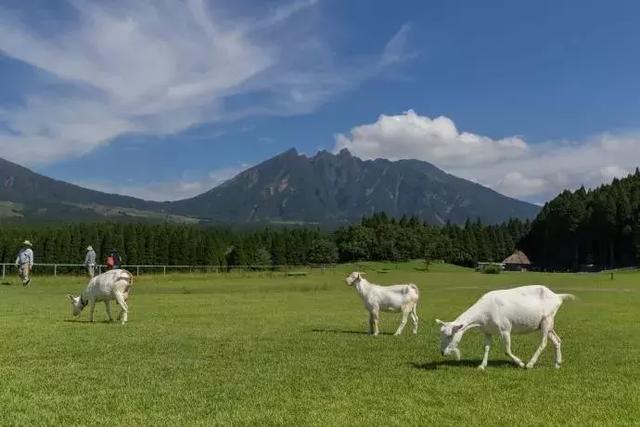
column 535, row 172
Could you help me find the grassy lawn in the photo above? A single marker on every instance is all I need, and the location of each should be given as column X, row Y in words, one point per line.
column 265, row 349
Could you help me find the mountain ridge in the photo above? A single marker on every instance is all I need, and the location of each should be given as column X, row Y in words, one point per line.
column 327, row 189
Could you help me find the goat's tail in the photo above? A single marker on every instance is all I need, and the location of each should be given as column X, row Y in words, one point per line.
column 415, row 288
column 128, row 277
column 565, row 297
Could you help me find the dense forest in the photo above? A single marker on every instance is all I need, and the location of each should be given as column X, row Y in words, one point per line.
column 378, row 237
column 599, row 228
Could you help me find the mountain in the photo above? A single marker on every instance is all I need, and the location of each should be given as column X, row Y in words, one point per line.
column 335, row 189
column 26, row 196
column 291, row 188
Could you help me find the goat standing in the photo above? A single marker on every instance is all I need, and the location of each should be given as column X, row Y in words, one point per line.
column 402, row 298
column 108, row 286
column 521, row 310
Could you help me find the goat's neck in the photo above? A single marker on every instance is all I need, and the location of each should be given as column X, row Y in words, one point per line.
column 471, row 318
column 362, row 286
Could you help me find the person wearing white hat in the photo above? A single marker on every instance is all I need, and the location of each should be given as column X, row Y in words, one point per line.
column 90, row 261
column 24, row 262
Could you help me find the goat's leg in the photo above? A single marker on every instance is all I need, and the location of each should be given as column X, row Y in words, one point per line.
column 124, row 308
column 405, row 316
column 92, row 306
column 545, row 327
column 487, row 347
column 414, row 319
column 506, row 342
column 555, row 340
column 107, row 304
column 373, row 323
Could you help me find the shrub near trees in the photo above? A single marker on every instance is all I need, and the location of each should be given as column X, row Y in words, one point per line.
column 375, row 238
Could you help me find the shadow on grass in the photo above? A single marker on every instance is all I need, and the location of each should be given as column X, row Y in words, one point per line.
column 5, row 283
column 465, row 363
column 342, row 331
column 97, row 322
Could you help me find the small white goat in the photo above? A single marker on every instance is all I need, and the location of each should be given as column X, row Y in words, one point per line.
column 402, row 298
column 520, row 310
column 110, row 285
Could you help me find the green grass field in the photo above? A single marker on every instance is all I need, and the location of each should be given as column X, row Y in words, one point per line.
column 265, row 349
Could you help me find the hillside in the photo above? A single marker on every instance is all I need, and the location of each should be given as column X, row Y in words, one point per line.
column 341, row 188
column 289, row 188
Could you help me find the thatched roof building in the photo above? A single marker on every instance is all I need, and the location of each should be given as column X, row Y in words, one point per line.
column 518, row 260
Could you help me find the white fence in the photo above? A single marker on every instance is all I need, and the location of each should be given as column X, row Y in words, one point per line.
column 59, row 268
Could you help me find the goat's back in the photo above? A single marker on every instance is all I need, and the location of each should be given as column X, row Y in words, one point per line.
column 107, row 283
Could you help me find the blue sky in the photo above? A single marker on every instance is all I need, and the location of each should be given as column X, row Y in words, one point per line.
column 165, row 99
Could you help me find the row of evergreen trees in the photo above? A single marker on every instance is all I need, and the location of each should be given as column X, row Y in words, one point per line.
column 378, row 237
column 600, row 226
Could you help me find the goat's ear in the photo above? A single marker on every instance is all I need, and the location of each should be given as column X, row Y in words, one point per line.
column 456, row 328
column 70, row 297
column 440, row 322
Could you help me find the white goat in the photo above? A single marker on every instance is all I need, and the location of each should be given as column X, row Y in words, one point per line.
column 521, row 310
column 386, row 298
column 110, row 285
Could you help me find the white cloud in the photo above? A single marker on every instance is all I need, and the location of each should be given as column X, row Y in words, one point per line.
column 162, row 66
column 167, row 190
column 410, row 135
column 510, row 165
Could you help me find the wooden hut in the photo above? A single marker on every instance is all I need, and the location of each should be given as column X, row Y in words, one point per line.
column 517, row 261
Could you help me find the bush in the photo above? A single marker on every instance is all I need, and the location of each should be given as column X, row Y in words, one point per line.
column 492, row 269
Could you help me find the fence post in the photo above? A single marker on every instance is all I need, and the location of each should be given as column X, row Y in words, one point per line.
column 164, row 270
column 55, row 269
column 137, row 270
column 4, row 267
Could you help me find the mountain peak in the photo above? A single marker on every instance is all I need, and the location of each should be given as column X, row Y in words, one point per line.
column 327, row 188
column 338, row 188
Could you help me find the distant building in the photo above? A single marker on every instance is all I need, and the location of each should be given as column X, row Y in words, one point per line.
column 517, row 261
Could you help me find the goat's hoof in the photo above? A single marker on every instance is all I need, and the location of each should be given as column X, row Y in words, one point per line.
column 521, row 364
column 481, row 367
column 397, row 334
column 529, row 365
column 557, row 366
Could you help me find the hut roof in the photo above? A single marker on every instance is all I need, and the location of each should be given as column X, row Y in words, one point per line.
column 518, row 257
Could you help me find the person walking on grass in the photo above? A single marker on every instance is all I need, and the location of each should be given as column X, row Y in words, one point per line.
column 113, row 260
column 117, row 261
column 90, row 261
column 24, row 262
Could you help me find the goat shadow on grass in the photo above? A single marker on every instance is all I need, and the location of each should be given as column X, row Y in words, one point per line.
column 5, row 283
column 465, row 363
column 344, row 331
column 97, row 322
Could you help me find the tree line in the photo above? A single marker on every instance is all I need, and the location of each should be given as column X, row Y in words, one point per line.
column 375, row 238
column 599, row 227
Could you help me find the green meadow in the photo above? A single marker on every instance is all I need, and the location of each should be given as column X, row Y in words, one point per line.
column 271, row 349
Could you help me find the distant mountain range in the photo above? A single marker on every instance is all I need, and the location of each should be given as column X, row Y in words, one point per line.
column 289, row 188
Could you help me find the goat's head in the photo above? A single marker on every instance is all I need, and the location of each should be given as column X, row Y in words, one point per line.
column 450, row 336
column 354, row 278
column 77, row 304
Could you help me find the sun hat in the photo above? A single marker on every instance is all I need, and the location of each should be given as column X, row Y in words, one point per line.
column 89, row 248
column 27, row 243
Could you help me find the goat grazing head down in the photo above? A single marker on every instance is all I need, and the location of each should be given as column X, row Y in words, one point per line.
column 450, row 336
column 77, row 304
column 354, row 277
